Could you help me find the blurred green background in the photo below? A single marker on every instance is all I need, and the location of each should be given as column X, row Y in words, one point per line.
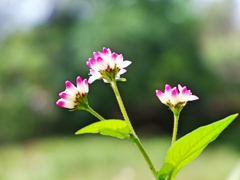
column 45, row 42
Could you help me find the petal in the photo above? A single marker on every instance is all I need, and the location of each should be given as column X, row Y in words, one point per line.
column 96, row 54
column 114, row 56
column 183, row 94
column 168, row 89
column 91, row 62
column 174, row 96
column 65, row 104
column 180, row 87
column 174, row 92
column 192, row 98
column 78, row 81
column 101, row 64
column 85, row 85
column 80, row 86
column 66, row 96
column 112, row 60
column 184, row 91
column 63, row 94
column 161, row 96
column 104, row 80
column 122, row 71
column 94, row 77
column 70, row 87
column 119, row 59
column 106, row 51
column 159, row 93
column 124, row 64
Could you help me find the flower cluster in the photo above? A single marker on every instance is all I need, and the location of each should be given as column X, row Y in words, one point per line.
column 175, row 98
column 106, row 65
column 109, row 67
column 103, row 65
column 74, row 97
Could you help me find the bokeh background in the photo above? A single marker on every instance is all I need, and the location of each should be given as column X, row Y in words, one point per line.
column 45, row 42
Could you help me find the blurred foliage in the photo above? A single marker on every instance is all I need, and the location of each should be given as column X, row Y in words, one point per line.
column 75, row 159
column 163, row 39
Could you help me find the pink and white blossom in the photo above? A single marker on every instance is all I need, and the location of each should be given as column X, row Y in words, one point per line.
column 72, row 97
column 106, row 65
column 174, row 97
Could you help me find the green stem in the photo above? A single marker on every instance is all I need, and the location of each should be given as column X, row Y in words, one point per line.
column 146, row 157
column 89, row 109
column 121, row 106
column 175, row 128
column 135, row 139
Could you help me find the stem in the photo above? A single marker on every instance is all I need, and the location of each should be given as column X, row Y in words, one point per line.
column 135, row 139
column 89, row 109
column 146, row 157
column 121, row 106
column 175, row 128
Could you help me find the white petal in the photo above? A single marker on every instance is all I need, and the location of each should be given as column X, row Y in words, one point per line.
column 119, row 59
column 124, row 64
column 122, row 71
column 192, row 98
column 85, row 85
column 94, row 77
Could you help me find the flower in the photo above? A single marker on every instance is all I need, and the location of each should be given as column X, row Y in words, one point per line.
column 175, row 98
column 74, row 97
column 106, row 65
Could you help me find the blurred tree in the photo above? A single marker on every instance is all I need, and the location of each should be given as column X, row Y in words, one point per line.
column 159, row 37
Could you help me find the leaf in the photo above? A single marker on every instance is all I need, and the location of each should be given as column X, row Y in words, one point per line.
column 112, row 127
column 189, row 147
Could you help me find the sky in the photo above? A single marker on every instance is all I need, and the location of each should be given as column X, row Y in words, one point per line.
column 26, row 14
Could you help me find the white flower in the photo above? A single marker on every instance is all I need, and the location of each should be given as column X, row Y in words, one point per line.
column 74, row 97
column 106, row 65
column 175, row 97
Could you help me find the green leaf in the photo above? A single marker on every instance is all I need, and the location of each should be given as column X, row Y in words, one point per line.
column 112, row 127
column 189, row 147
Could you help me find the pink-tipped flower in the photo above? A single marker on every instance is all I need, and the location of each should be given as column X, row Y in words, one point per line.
column 74, row 97
column 175, row 98
column 106, row 65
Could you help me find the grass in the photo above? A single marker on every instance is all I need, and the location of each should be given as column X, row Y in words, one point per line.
column 103, row 158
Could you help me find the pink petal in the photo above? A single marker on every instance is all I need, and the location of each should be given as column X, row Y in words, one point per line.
column 96, row 54
column 119, row 60
column 64, row 104
column 85, row 85
column 80, row 85
column 161, row 96
column 174, row 92
column 184, row 91
column 168, row 89
column 101, row 65
column 106, row 51
column 70, row 87
column 91, row 62
column 78, row 80
column 159, row 93
column 174, row 96
column 63, row 95
column 112, row 60
column 114, row 56
column 99, row 60
column 180, row 87
column 92, row 72
column 68, row 97
column 60, row 103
